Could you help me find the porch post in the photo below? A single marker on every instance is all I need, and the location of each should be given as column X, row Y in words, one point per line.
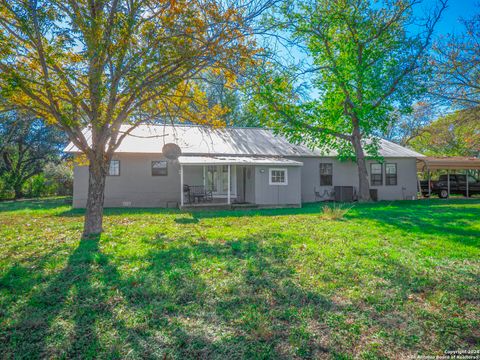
column 466, row 179
column 204, row 179
column 448, row 182
column 228, row 193
column 181, row 185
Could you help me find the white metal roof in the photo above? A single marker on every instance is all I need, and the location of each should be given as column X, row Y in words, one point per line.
column 198, row 140
column 236, row 160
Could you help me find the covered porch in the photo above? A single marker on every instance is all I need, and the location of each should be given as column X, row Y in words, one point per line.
column 220, row 181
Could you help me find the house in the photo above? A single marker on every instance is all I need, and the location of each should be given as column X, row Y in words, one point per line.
column 237, row 165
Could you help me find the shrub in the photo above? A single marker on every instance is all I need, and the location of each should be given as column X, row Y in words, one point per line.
column 59, row 178
column 335, row 212
column 6, row 192
column 36, row 187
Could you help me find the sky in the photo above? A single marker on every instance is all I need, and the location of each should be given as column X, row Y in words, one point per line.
column 448, row 24
column 456, row 9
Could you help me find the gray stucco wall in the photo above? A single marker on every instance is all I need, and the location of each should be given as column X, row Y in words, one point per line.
column 266, row 194
column 250, row 184
column 346, row 174
column 135, row 186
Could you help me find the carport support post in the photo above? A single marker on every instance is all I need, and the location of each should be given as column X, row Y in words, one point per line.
column 448, row 182
column 181, row 185
column 466, row 180
column 228, row 192
column 429, row 184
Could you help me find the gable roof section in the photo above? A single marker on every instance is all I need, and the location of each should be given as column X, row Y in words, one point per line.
column 198, row 140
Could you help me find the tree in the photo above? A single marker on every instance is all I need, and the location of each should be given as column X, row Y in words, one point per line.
column 26, row 145
column 455, row 134
column 59, row 177
column 98, row 64
column 455, row 60
column 367, row 58
column 404, row 128
column 233, row 97
column 456, row 63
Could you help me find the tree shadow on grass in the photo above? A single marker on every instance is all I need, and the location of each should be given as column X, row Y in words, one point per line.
column 30, row 333
column 19, row 279
column 412, row 307
column 450, row 220
column 64, row 319
column 191, row 298
column 37, row 204
column 235, row 312
column 168, row 309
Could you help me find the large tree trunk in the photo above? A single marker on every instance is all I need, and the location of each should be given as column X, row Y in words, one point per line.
column 96, row 192
column 363, row 186
column 17, row 188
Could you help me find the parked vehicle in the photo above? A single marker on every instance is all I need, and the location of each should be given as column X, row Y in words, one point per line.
column 458, row 185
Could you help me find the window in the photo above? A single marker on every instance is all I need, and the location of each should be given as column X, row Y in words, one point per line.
column 376, row 176
column 278, row 177
column 159, row 168
column 114, row 168
column 326, row 174
column 390, row 174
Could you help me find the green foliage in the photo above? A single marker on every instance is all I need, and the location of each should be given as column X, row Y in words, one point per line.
column 36, row 187
column 456, row 134
column 390, row 280
column 59, row 177
column 103, row 65
column 6, row 192
column 108, row 66
column 234, row 98
column 26, row 145
column 365, row 64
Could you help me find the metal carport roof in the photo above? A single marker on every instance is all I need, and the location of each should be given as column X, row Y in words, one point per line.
column 448, row 163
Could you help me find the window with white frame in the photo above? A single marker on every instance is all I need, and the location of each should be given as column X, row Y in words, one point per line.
column 376, row 174
column 278, row 177
column 114, row 168
column 159, row 168
column 390, row 174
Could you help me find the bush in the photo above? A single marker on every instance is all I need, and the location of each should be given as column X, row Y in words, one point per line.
column 6, row 192
column 59, row 178
column 36, row 187
column 56, row 179
column 336, row 212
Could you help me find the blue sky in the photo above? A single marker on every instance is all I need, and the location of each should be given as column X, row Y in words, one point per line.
column 456, row 9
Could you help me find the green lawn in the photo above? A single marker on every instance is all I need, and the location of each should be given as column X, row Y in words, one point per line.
column 388, row 281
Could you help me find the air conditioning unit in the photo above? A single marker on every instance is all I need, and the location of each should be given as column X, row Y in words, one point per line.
column 343, row 193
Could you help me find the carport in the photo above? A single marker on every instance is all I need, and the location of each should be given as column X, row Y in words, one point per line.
column 429, row 164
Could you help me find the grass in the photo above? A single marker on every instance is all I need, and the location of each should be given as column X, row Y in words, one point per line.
column 383, row 280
